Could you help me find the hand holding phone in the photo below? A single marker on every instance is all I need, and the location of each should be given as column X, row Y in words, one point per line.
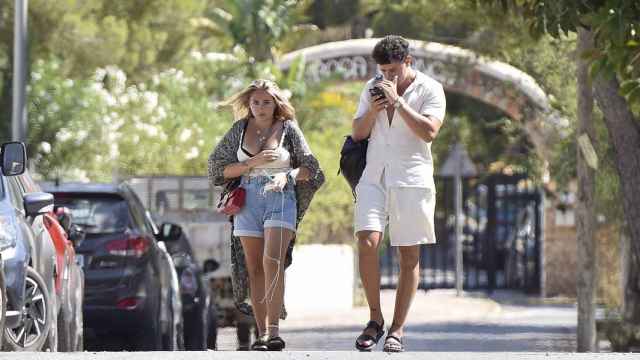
column 376, row 92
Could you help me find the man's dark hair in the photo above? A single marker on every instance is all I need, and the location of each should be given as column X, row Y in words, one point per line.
column 391, row 48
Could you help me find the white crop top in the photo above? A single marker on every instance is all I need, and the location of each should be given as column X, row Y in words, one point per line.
column 282, row 162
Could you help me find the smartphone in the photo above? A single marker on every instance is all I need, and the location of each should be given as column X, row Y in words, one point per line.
column 375, row 91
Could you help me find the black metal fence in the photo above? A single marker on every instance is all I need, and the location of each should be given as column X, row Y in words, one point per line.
column 501, row 239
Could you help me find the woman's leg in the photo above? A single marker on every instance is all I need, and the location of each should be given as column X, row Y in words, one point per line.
column 253, row 249
column 276, row 243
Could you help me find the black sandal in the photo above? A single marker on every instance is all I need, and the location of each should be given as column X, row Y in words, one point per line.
column 275, row 344
column 362, row 342
column 260, row 344
column 393, row 344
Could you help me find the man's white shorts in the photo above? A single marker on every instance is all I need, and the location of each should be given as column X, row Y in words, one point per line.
column 408, row 210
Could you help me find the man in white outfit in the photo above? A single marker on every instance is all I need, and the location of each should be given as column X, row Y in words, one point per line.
column 397, row 186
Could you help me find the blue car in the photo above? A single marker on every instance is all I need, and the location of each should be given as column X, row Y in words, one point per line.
column 28, row 260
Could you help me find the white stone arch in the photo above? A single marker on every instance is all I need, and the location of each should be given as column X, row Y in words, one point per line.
column 459, row 70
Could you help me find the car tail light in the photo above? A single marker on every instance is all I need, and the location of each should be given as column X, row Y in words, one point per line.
column 128, row 303
column 136, row 246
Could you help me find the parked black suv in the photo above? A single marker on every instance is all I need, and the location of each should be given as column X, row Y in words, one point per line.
column 128, row 282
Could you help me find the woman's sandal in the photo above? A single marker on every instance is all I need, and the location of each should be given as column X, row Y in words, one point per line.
column 393, row 344
column 275, row 344
column 261, row 344
column 366, row 342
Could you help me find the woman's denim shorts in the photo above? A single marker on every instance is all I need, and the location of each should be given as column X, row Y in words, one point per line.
column 263, row 209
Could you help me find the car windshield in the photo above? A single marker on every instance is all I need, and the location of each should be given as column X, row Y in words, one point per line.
column 97, row 215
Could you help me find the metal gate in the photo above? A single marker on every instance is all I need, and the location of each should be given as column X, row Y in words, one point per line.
column 501, row 239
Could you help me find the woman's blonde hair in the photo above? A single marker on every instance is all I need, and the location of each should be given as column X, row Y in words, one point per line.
column 240, row 101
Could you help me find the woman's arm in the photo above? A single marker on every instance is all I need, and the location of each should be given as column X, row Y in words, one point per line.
column 240, row 168
column 237, row 169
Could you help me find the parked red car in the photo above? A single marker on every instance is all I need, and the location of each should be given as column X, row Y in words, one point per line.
column 69, row 276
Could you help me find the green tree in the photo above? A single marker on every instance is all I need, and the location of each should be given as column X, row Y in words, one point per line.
column 105, row 125
column 255, row 25
column 139, row 37
column 615, row 55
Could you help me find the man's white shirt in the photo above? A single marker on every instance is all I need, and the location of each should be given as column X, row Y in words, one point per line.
column 395, row 150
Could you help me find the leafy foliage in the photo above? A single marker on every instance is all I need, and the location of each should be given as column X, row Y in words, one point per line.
column 615, row 24
column 137, row 88
column 257, row 26
column 104, row 126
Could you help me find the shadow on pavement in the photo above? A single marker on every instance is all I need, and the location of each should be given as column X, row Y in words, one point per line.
column 449, row 337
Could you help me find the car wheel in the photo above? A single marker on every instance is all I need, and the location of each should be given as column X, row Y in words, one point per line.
column 77, row 325
column 176, row 325
column 203, row 326
column 150, row 338
column 65, row 317
column 33, row 330
column 180, row 335
column 212, row 326
column 3, row 303
column 170, row 340
column 64, row 332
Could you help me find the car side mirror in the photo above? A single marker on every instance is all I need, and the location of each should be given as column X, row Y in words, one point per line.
column 170, row 232
column 37, row 203
column 76, row 235
column 14, row 157
column 210, row 265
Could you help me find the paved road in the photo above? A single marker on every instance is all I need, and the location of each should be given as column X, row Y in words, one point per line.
column 441, row 322
column 310, row 355
column 442, row 327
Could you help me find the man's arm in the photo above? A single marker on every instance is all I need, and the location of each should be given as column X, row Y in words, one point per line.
column 366, row 115
column 424, row 124
column 361, row 127
column 426, row 127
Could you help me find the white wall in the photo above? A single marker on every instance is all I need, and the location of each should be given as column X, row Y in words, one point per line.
column 320, row 277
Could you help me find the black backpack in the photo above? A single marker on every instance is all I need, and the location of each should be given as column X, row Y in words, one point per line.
column 353, row 159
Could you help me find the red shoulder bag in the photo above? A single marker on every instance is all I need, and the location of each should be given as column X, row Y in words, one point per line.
column 232, row 201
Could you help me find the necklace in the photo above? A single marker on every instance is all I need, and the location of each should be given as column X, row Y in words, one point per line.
column 263, row 138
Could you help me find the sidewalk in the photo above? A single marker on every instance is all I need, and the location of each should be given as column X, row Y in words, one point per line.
column 439, row 321
column 428, row 306
column 307, row 355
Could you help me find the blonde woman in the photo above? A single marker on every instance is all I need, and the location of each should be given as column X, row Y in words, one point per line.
column 266, row 150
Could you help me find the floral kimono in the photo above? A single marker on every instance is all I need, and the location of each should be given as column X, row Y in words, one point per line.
column 224, row 154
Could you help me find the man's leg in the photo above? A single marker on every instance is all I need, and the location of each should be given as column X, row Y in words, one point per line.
column 407, row 286
column 370, row 216
column 368, row 243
